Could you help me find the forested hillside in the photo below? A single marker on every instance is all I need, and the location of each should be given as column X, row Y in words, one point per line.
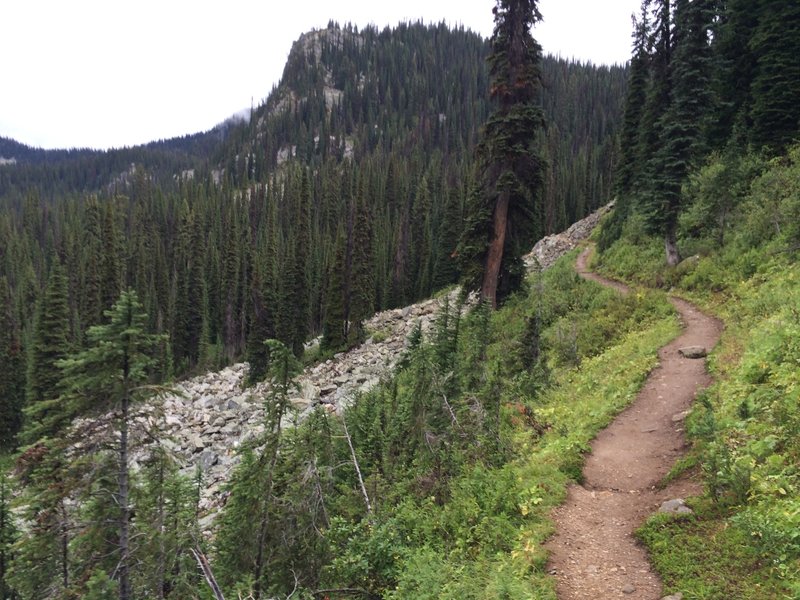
column 342, row 195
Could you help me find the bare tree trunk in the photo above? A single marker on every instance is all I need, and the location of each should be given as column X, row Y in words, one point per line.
column 208, row 574
column 160, row 568
column 122, row 493
column 671, row 246
column 64, row 546
column 358, row 469
column 494, row 257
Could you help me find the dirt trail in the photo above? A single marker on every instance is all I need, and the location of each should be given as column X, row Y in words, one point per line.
column 594, row 554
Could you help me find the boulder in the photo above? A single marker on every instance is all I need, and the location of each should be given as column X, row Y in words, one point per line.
column 693, row 352
column 208, row 459
column 327, row 389
column 675, row 507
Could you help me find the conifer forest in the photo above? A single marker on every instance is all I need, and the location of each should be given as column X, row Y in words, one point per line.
column 388, row 167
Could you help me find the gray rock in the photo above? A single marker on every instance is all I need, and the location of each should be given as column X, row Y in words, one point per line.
column 328, row 389
column 628, row 588
column 675, row 507
column 208, row 459
column 693, row 352
column 195, row 444
column 231, row 428
column 678, row 417
column 173, row 421
column 678, row 596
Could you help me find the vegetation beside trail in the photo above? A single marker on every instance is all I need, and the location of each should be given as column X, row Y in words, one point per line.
column 464, row 453
column 744, row 541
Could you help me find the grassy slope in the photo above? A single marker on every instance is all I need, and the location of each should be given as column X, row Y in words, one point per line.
column 601, row 348
column 744, row 542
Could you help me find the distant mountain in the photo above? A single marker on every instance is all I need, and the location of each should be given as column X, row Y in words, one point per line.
column 342, row 194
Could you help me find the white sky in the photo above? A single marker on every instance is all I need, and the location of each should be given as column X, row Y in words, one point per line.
column 111, row 73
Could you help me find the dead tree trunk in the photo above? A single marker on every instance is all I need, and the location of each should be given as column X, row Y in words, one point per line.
column 494, row 257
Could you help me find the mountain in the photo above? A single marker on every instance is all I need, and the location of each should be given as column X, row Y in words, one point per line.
column 253, row 226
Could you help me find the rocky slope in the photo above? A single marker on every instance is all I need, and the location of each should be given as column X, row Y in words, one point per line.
column 210, row 416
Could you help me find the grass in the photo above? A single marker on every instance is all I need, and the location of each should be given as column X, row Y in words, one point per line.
column 705, row 558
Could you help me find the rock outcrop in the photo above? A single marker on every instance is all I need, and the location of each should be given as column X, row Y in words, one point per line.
column 552, row 247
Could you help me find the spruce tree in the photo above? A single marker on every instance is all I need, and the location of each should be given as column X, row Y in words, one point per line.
column 335, row 330
column 629, row 162
column 110, row 376
column 12, row 371
column 361, row 303
column 683, row 125
column 508, row 217
column 8, row 535
column 775, row 89
column 44, row 413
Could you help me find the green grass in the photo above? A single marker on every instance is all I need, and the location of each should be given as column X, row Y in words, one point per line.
column 705, row 558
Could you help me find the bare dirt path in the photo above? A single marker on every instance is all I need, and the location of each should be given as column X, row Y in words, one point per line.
column 594, row 554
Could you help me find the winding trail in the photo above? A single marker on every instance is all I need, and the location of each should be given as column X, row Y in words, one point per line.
column 594, row 554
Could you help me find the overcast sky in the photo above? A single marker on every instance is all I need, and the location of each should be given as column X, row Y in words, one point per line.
column 111, row 73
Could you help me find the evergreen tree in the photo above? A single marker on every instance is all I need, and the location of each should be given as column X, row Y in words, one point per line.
column 166, row 522
column 508, row 217
column 8, row 534
column 297, row 271
column 251, row 526
column 734, row 67
column 683, row 124
column 41, row 565
column 629, row 163
column 335, row 329
column 44, row 413
column 361, row 303
column 91, row 287
column 262, row 317
column 109, row 376
column 12, row 371
column 775, row 88
column 444, row 265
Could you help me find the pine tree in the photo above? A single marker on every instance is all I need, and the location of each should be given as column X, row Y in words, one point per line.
column 44, row 414
column 109, row 376
column 12, row 372
column 508, row 217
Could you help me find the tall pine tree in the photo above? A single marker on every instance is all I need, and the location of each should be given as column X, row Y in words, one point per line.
column 506, row 217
